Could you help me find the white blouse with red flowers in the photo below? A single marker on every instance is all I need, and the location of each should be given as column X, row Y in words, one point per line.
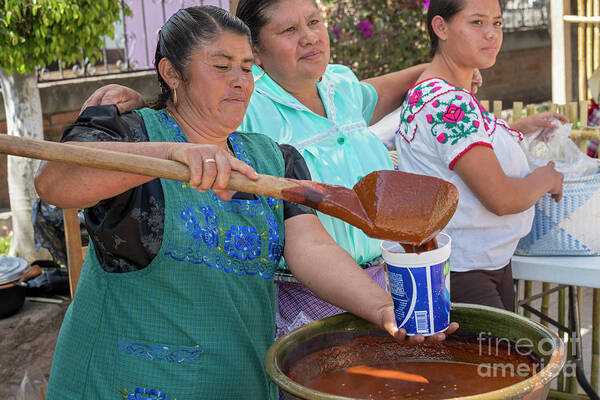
column 439, row 123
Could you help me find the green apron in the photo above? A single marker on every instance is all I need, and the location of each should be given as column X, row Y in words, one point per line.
column 197, row 321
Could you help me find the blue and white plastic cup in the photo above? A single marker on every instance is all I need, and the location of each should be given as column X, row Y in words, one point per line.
column 420, row 286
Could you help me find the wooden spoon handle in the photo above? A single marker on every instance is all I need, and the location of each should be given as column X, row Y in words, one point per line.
column 266, row 185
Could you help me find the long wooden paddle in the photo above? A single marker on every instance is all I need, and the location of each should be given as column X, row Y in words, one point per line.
column 389, row 205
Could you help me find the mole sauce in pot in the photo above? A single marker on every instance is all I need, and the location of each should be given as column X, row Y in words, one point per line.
column 380, row 368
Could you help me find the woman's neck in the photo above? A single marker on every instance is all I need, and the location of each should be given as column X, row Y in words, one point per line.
column 196, row 131
column 445, row 68
column 307, row 93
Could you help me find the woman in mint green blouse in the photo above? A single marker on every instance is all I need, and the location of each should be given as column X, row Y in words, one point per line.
column 323, row 110
column 338, row 147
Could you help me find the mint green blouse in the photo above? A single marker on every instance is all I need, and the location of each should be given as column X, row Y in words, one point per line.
column 338, row 150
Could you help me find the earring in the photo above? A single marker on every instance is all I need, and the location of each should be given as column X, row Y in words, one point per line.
column 174, row 97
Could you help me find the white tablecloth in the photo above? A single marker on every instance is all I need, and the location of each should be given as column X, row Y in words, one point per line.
column 578, row 271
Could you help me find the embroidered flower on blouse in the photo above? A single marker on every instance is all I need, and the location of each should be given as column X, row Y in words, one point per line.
column 449, row 118
column 453, row 114
column 415, row 97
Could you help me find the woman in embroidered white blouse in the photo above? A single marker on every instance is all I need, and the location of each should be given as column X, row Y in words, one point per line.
column 444, row 132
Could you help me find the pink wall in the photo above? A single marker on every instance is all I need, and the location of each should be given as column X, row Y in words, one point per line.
column 146, row 19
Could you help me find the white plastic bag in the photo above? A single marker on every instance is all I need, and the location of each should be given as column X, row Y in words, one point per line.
column 549, row 144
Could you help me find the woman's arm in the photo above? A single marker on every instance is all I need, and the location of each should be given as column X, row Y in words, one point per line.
column 534, row 122
column 480, row 169
column 391, row 89
column 124, row 98
column 332, row 274
column 70, row 186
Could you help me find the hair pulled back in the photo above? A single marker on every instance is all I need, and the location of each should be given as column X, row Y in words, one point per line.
column 186, row 31
column 445, row 9
column 253, row 13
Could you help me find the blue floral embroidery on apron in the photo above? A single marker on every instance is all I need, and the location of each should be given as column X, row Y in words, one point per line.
column 159, row 353
column 144, row 394
column 242, row 242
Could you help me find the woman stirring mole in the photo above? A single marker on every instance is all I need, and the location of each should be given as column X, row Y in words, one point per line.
column 176, row 298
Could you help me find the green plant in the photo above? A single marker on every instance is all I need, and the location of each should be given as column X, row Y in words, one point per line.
column 5, row 244
column 37, row 33
column 375, row 37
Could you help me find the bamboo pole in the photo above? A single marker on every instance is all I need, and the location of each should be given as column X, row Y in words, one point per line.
column 581, row 19
column 573, row 113
column 588, row 48
column 596, row 340
column 571, row 380
column 498, row 108
column 581, row 52
column 587, row 133
column 527, row 293
column 583, row 108
column 485, row 104
column 545, row 302
column 583, row 113
column 562, row 109
column 567, row 47
column 596, row 35
column 518, row 110
column 573, row 384
column 560, row 71
column 556, row 395
column 560, row 380
column 530, row 109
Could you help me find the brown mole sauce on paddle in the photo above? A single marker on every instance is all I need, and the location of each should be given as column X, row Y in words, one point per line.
column 389, row 205
column 427, row 246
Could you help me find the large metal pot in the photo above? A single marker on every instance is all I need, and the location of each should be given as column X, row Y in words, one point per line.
column 319, row 335
column 12, row 295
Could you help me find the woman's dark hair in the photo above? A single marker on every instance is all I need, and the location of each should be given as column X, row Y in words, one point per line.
column 445, row 9
column 187, row 30
column 252, row 12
